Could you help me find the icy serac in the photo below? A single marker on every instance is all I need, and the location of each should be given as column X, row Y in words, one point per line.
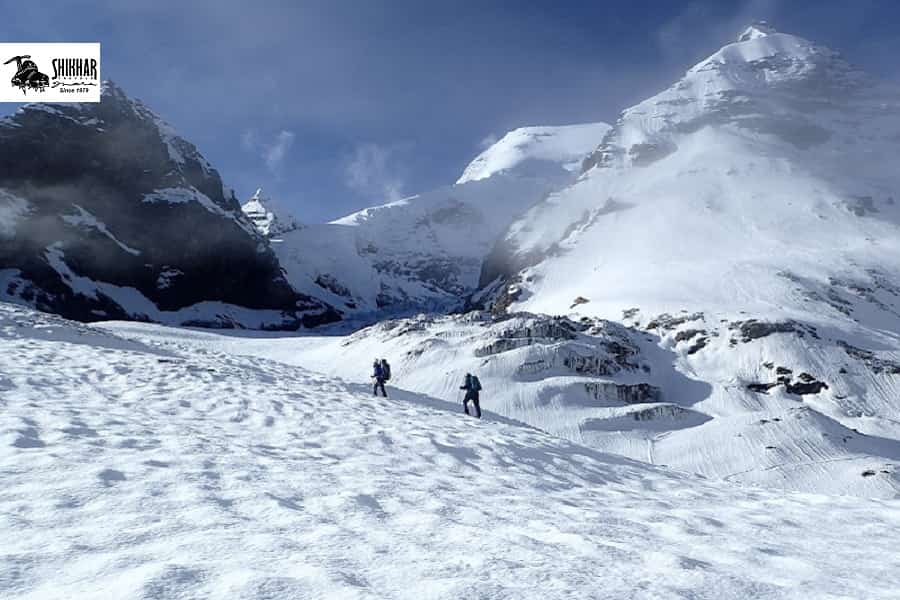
column 743, row 223
column 108, row 213
column 425, row 252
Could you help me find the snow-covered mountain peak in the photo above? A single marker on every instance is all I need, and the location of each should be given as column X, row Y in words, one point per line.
column 748, row 216
column 269, row 220
column 769, row 83
column 537, row 149
column 115, row 108
column 756, row 30
column 769, row 54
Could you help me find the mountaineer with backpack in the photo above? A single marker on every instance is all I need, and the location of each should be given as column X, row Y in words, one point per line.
column 473, row 388
column 381, row 373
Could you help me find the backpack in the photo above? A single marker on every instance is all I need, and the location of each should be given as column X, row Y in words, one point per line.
column 476, row 385
column 385, row 370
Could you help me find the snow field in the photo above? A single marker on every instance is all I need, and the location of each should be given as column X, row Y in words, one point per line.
column 170, row 470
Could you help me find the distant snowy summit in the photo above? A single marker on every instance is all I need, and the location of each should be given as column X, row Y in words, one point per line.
column 757, row 29
column 265, row 218
column 536, row 149
column 110, row 214
column 425, row 252
column 767, row 82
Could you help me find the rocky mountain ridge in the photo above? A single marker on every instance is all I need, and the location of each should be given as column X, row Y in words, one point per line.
column 109, row 214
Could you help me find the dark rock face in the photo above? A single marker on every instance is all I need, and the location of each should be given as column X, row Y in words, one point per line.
column 539, row 330
column 804, row 384
column 579, row 300
column 331, row 284
column 699, row 345
column 753, row 329
column 761, row 388
column 590, row 347
column 645, row 418
column 659, row 412
column 645, row 154
column 875, row 363
column 112, row 202
column 667, row 322
column 688, row 334
column 638, row 393
column 803, row 388
column 699, row 336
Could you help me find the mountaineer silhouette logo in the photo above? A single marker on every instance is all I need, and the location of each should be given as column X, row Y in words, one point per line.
column 54, row 72
column 27, row 76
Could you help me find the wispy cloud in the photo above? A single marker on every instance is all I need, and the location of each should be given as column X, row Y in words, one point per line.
column 272, row 151
column 372, row 170
column 276, row 151
column 488, row 141
column 698, row 29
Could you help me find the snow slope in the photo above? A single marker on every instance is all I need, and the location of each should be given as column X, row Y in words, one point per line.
column 637, row 393
column 163, row 467
column 425, row 252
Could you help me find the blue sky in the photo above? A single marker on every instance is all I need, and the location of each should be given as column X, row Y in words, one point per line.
column 336, row 105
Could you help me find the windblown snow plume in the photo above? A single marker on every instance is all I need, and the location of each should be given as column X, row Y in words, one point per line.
column 536, row 148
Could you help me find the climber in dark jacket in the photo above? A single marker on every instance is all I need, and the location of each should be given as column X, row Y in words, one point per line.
column 473, row 388
column 379, row 376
